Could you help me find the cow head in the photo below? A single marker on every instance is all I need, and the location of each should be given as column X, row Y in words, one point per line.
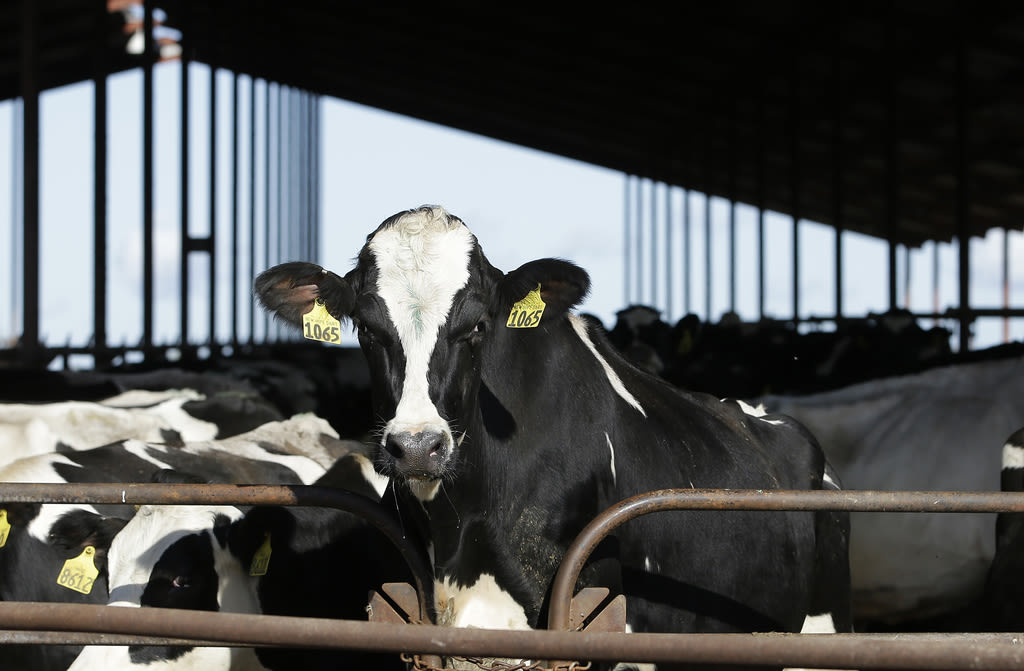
column 426, row 304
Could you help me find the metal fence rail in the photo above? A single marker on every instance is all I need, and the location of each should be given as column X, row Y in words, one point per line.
column 29, row 623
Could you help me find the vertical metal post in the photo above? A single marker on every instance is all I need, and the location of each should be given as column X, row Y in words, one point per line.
column 185, row 172
column 732, row 208
column 148, row 292
column 708, row 169
column 315, row 181
column 99, row 217
column 796, row 178
column 686, row 252
column 760, row 197
column 963, row 176
column 627, row 238
column 1006, row 283
column 280, row 160
column 235, row 148
column 212, row 239
column 654, row 243
column 253, row 270
column 837, row 163
column 668, row 254
column 30, row 175
column 266, row 196
column 935, row 281
column 639, row 292
column 892, row 214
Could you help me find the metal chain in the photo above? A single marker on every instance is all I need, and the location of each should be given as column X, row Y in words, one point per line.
column 493, row 665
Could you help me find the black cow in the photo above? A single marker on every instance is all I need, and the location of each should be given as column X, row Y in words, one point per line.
column 513, row 422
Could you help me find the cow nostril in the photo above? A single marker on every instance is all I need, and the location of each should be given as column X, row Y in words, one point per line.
column 394, row 447
column 435, row 445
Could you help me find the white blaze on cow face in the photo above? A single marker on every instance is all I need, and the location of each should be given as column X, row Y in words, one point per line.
column 422, row 261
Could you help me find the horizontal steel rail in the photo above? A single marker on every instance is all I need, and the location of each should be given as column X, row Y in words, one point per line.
column 244, row 495
column 759, row 499
column 837, row 651
column 27, row 621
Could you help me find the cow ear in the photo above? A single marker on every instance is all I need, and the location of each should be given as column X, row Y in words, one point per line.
column 248, row 534
column 290, row 290
column 79, row 529
column 563, row 285
column 20, row 514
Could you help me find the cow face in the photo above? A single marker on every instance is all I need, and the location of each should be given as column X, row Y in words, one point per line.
column 426, row 304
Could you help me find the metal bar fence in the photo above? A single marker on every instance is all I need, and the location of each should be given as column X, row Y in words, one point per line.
column 24, row 623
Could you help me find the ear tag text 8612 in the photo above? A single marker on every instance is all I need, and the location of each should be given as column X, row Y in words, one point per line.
column 318, row 324
column 527, row 312
column 5, row 527
column 261, row 560
column 79, row 573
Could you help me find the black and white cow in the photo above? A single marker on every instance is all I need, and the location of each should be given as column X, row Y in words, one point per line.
column 512, row 439
column 28, row 429
column 321, row 563
column 41, row 538
column 172, row 416
column 940, row 429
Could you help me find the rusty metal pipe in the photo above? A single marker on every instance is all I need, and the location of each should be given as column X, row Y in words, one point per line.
column 244, row 495
column 758, row 499
column 860, row 651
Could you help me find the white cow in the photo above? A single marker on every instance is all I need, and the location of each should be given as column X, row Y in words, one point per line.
column 942, row 429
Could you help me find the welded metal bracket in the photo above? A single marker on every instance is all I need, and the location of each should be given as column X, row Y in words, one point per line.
column 590, row 610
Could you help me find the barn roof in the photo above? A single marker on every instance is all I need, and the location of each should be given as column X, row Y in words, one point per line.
column 896, row 119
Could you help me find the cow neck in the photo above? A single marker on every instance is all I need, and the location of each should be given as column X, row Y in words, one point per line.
column 516, row 495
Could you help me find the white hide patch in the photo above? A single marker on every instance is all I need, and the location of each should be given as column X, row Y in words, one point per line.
column 1013, row 456
column 41, row 469
column 377, row 481
column 580, row 326
column 110, row 657
column 818, row 624
column 753, row 411
column 612, row 450
column 483, row 605
column 422, row 261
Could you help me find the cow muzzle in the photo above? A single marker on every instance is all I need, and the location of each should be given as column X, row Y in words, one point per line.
column 418, row 455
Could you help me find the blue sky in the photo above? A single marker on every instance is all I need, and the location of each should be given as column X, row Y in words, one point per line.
column 522, row 204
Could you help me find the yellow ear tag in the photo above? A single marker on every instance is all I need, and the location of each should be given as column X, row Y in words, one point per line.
column 527, row 312
column 5, row 527
column 79, row 573
column 318, row 324
column 261, row 560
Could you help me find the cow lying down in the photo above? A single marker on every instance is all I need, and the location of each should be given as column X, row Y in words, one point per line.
column 511, row 422
column 318, row 563
column 40, row 539
column 166, row 416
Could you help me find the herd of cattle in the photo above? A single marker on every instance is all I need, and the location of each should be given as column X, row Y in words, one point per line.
column 496, row 422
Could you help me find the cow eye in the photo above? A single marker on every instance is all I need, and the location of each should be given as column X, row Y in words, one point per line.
column 181, row 581
column 480, row 327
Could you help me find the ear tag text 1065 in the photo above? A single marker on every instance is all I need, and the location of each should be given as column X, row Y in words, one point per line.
column 79, row 573
column 5, row 527
column 318, row 324
column 527, row 312
column 261, row 560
